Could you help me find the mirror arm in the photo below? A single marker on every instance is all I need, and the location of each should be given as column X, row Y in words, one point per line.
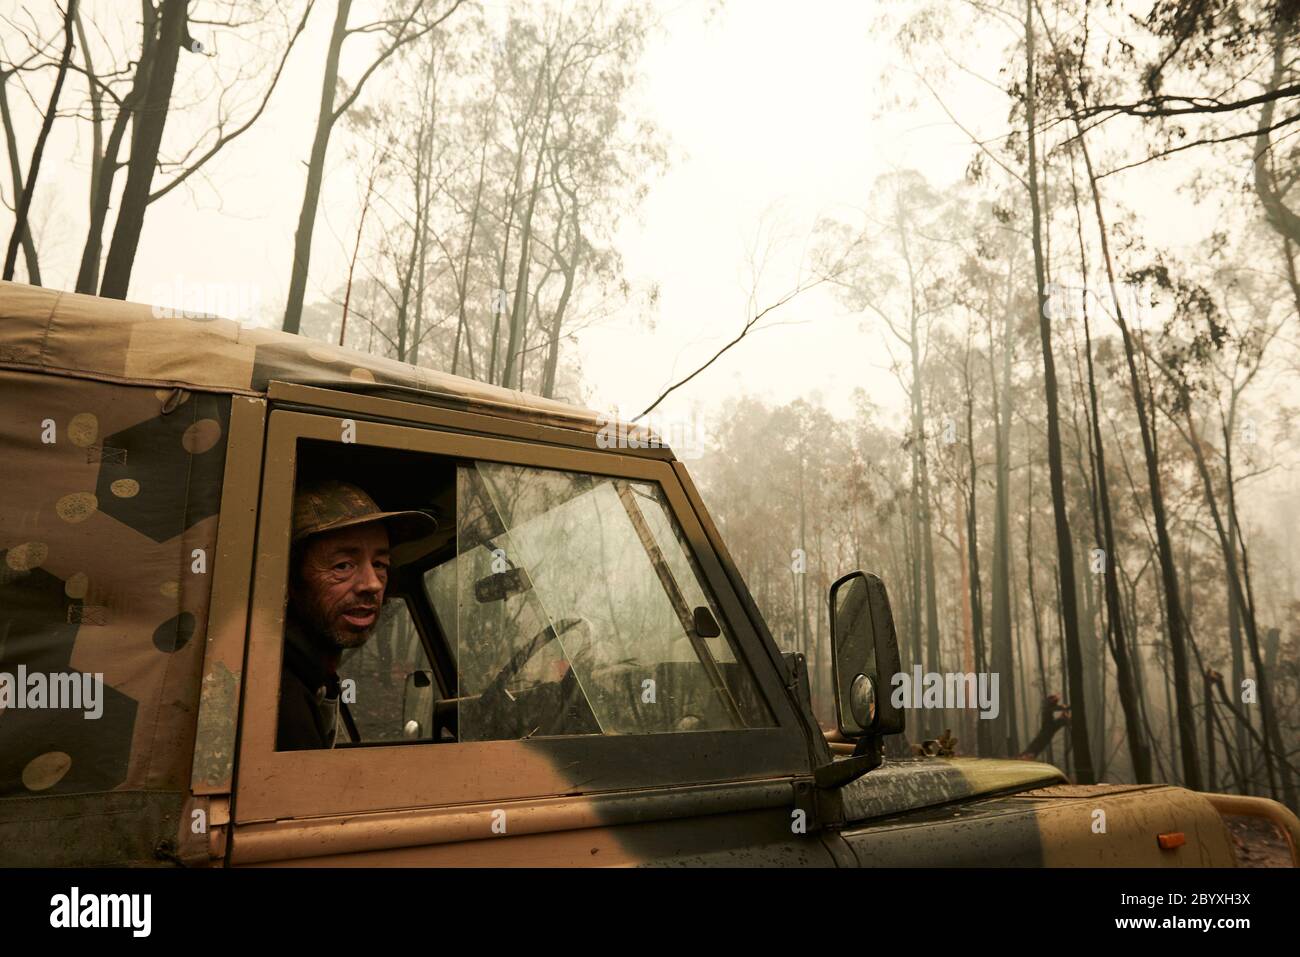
column 866, row 757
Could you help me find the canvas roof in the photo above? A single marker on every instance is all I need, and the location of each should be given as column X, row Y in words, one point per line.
column 107, row 339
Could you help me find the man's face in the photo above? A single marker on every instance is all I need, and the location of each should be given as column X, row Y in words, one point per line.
column 341, row 583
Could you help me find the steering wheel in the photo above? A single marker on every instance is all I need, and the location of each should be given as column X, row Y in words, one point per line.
column 495, row 700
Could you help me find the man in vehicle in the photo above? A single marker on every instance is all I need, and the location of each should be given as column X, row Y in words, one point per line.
column 338, row 577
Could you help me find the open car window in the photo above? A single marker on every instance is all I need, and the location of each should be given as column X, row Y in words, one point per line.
column 575, row 607
column 373, row 676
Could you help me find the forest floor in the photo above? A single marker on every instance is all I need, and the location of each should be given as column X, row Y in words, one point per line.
column 1258, row 843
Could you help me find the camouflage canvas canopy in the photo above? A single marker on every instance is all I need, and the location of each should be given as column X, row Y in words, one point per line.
column 52, row 331
column 114, row 449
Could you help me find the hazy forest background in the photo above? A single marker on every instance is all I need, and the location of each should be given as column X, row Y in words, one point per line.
column 1029, row 351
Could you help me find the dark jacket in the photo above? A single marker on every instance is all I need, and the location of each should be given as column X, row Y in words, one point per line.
column 309, row 695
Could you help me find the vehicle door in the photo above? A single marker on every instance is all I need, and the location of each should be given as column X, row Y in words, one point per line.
column 562, row 673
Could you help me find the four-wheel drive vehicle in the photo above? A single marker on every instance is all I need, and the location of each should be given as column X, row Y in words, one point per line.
column 569, row 670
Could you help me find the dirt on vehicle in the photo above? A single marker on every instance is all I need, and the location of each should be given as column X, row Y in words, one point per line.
column 1258, row 843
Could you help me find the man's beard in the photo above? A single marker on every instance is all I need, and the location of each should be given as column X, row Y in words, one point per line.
column 324, row 627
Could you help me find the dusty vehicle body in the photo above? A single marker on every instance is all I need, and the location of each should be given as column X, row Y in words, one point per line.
column 148, row 473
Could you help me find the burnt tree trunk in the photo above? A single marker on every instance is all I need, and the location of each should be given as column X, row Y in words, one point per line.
column 30, row 258
column 146, row 139
column 21, row 234
column 1064, row 546
column 325, row 117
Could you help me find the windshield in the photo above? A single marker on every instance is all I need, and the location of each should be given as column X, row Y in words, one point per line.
column 584, row 585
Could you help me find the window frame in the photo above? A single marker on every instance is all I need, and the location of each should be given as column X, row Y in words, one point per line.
column 272, row 785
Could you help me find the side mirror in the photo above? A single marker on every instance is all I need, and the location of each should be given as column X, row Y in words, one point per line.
column 865, row 657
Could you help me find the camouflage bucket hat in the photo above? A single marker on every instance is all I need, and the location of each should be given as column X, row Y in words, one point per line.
column 330, row 505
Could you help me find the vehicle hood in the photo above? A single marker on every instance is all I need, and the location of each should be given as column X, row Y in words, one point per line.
column 910, row 783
